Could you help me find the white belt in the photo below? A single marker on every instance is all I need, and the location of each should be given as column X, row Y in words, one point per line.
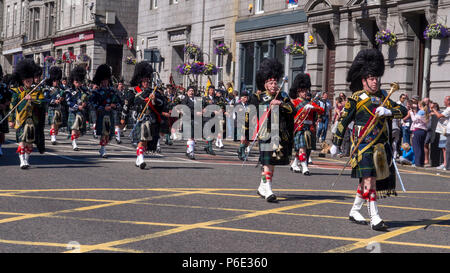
column 307, row 122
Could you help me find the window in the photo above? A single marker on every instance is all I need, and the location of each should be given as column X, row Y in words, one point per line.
column 8, row 15
column 15, row 10
column 22, row 17
column 259, row 6
column 34, row 23
column 72, row 13
column 219, row 63
column 83, row 49
column 49, row 18
column 61, row 14
column 86, row 11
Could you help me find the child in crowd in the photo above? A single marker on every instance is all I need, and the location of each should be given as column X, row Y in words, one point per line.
column 407, row 157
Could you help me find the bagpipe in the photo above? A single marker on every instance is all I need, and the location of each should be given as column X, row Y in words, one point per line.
column 17, row 105
column 157, row 84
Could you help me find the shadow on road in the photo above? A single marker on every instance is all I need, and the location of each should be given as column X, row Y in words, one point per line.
column 427, row 222
column 296, row 197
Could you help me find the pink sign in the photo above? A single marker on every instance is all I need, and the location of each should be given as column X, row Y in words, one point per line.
column 74, row 38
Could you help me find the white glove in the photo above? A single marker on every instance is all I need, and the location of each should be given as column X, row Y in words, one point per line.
column 308, row 106
column 334, row 150
column 381, row 111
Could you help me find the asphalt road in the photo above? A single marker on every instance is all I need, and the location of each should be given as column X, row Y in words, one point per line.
column 78, row 202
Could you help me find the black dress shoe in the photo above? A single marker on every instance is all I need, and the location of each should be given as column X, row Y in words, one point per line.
column 380, row 226
column 271, row 198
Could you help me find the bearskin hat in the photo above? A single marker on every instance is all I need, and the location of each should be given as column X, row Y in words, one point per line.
column 268, row 69
column 103, row 72
column 25, row 69
column 301, row 81
column 368, row 62
column 141, row 70
column 1, row 73
column 55, row 74
column 77, row 74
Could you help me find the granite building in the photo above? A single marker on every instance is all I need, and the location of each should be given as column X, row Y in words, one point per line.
column 89, row 32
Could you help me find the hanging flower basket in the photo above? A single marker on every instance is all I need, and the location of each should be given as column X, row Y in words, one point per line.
column 184, row 69
column 197, row 68
column 310, row 39
column 386, row 37
column 68, row 57
column 294, row 49
column 192, row 49
column 436, row 31
column 210, row 69
column 222, row 49
column 130, row 60
column 49, row 59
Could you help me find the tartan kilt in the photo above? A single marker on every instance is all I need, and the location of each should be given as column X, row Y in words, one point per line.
column 115, row 117
column 71, row 121
column 366, row 168
column 99, row 124
column 300, row 140
column 266, row 157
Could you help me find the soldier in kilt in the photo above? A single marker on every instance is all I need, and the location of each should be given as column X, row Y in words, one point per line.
column 304, row 112
column 5, row 101
column 104, row 100
column 222, row 103
column 209, row 99
column 26, row 115
column 117, row 116
column 77, row 100
column 372, row 162
column 243, row 133
column 190, row 101
column 273, row 149
column 140, row 102
column 55, row 98
column 40, row 111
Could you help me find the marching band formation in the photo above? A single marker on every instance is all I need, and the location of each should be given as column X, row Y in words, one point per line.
column 28, row 102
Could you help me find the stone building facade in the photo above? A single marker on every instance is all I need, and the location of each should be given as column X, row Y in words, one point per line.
column 339, row 30
column 165, row 27
column 98, row 30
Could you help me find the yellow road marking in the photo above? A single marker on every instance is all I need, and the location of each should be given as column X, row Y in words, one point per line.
column 383, row 237
column 198, row 225
column 115, row 203
column 48, row 244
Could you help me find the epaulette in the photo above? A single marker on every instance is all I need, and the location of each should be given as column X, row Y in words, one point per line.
column 359, row 95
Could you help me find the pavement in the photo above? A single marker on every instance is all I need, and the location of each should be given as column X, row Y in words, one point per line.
column 78, row 202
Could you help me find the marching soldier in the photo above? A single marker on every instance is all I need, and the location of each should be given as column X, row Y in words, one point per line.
column 143, row 102
column 26, row 115
column 55, row 98
column 243, row 132
column 209, row 99
column 280, row 146
column 189, row 101
column 304, row 111
column 117, row 113
column 5, row 100
column 40, row 110
column 77, row 100
column 104, row 100
column 372, row 163
column 221, row 101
